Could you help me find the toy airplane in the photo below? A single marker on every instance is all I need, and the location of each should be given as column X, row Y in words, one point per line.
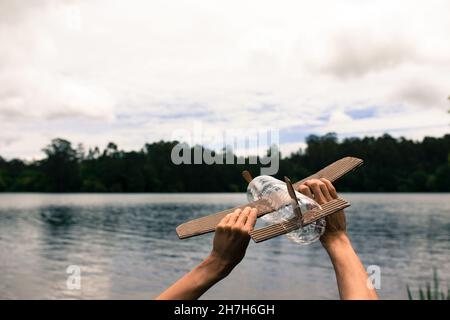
column 271, row 203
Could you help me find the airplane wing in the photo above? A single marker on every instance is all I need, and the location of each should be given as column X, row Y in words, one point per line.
column 208, row 223
column 334, row 171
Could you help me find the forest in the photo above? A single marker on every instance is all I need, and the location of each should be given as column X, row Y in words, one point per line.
column 390, row 165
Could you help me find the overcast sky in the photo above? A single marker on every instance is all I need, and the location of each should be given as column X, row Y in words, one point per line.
column 133, row 71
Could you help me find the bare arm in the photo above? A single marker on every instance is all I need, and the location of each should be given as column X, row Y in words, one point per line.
column 351, row 276
column 230, row 243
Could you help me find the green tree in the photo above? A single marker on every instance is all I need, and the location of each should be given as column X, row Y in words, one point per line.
column 61, row 166
column 391, row 165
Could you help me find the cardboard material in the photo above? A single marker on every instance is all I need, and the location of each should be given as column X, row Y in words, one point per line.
column 278, row 229
column 264, row 206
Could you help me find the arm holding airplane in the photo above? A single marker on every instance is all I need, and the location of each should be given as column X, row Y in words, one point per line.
column 229, row 246
column 351, row 276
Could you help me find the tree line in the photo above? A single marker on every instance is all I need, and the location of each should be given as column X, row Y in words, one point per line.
column 391, row 165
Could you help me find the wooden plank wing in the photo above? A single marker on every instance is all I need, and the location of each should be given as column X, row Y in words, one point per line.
column 310, row 216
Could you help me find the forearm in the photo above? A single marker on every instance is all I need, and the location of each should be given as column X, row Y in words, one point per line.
column 196, row 282
column 351, row 275
column 230, row 243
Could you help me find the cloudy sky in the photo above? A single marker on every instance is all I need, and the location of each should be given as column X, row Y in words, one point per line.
column 95, row 71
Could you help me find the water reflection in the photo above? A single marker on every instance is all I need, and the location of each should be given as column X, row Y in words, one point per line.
column 127, row 248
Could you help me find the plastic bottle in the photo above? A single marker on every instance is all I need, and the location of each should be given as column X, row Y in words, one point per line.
column 276, row 191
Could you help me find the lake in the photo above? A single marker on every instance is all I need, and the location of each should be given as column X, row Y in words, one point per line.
column 126, row 246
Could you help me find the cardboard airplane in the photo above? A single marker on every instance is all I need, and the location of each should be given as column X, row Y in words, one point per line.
column 267, row 205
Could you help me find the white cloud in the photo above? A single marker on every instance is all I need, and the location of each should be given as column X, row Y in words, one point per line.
column 134, row 71
column 429, row 120
column 288, row 148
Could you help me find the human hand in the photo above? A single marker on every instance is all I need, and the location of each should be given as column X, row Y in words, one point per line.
column 351, row 275
column 229, row 246
column 232, row 237
column 323, row 191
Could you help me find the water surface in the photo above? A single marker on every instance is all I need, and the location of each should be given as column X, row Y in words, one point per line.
column 126, row 246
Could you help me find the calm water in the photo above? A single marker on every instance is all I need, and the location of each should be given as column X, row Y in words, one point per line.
column 126, row 246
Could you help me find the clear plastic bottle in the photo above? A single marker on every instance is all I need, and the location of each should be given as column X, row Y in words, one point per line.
column 276, row 191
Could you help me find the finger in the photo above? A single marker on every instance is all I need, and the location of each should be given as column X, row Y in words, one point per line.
column 251, row 219
column 234, row 216
column 318, row 195
column 324, row 189
column 330, row 187
column 304, row 189
column 243, row 216
column 224, row 220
